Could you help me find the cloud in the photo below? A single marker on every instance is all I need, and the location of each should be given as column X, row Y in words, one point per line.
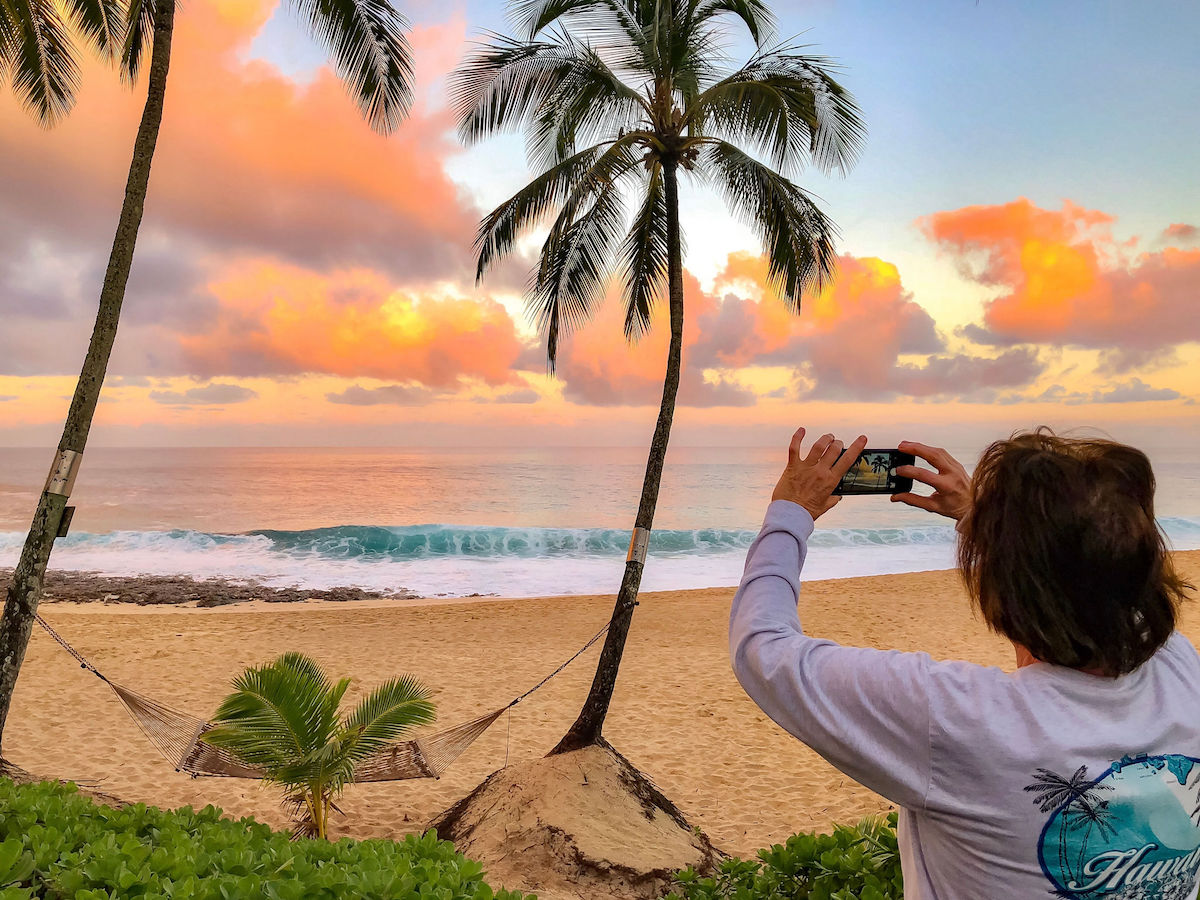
column 1180, row 233
column 849, row 342
column 523, row 395
column 249, row 160
column 963, row 373
column 604, row 385
column 214, row 394
column 281, row 320
column 389, row 394
column 598, row 367
column 863, row 338
column 6, row 397
column 1063, row 279
column 1133, row 391
column 251, row 166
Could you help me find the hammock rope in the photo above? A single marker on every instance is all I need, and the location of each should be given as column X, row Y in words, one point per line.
column 178, row 736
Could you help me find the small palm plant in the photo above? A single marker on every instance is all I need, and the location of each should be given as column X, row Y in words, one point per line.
column 284, row 717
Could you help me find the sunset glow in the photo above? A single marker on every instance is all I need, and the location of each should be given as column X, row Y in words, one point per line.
column 300, row 279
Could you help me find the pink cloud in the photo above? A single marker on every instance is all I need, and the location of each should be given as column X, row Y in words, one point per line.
column 851, row 342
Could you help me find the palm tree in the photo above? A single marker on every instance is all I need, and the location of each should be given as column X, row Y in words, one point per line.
column 38, row 55
column 284, row 718
column 366, row 40
column 617, row 98
column 1055, row 794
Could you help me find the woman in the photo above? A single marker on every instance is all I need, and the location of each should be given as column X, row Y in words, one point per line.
column 1078, row 775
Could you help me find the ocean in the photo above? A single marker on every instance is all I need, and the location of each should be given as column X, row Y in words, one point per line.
column 455, row 522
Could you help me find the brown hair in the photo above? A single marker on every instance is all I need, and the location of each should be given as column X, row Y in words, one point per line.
column 1061, row 553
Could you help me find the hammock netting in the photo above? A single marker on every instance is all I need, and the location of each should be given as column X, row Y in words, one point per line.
column 179, row 736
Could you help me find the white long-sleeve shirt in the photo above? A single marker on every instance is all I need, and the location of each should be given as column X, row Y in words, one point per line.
column 1010, row 786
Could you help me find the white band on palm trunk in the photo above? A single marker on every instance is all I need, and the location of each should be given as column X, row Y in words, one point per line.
column 62, row 473
column 638, row 545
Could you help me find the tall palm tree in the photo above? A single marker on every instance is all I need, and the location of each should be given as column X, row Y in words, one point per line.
column 617, row 98
column 38, row 55
column 366, row 40
column 285, row 718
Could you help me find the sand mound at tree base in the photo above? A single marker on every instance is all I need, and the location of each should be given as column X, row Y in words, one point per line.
column 584, row 824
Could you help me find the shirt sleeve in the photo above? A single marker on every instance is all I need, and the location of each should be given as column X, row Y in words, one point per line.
column 866, row 711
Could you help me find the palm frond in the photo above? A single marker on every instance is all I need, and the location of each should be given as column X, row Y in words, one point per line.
column 370, row 52
column 647, row 253
column 788, row 105
column 8, row 36
column 590, row 103
column 36, row 53
column 501, row 227
column 608, row 22
column 277, row 714
column 502, row 84
column 797, row 236
column 534, row 16
column 386, row 714
column 677, row 52
column 327, row 762
column 757, row 17
column 576, row 261
column 139, row 33
column 101, row 22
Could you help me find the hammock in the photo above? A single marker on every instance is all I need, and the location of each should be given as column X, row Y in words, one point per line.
column 177, row 735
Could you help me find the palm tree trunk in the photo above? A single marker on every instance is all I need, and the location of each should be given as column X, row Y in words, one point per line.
column 319, row 810
column 587, row 728
column 26, row 588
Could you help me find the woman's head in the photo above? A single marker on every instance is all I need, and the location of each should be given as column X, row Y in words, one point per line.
column 1062, row 555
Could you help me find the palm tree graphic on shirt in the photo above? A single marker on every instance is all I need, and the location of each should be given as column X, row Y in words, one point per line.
column 1080, row 805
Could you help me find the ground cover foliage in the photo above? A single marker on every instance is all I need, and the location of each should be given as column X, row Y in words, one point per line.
column 859, row 862
column 55, row 843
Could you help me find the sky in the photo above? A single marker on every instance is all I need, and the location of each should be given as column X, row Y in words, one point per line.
column 1020, row 244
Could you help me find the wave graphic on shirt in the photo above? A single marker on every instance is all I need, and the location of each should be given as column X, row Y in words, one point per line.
column 1133, row 833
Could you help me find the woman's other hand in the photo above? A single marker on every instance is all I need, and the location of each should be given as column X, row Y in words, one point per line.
column 951, row 484
column 809, row 480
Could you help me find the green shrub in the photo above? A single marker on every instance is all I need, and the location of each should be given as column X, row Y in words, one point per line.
column 854, row 863
column 55, row 843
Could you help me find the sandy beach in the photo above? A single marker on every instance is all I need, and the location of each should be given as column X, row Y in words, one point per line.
column 678, row 713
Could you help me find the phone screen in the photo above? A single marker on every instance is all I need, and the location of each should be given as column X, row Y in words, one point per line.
column 874, row 472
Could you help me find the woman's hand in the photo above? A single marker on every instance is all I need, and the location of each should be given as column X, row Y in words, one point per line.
column 951, row 484
column 810, row 480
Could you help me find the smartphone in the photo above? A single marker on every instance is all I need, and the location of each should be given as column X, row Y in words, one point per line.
column 874, row 472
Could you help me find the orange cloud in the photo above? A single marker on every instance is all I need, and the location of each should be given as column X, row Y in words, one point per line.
column 847, row 343
column 1180, row 233
column 851, row 333
column 599, row 368
column 1065, row 280
column 280, row 320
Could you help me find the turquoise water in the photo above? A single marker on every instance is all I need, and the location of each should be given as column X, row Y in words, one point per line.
column 455, row 522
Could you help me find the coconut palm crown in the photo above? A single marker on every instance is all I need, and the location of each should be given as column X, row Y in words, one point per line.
column 616, row 98
column 38, row 53
column 284, row 717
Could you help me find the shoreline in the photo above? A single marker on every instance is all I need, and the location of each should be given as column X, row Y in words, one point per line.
column 84, row 591
column 90, row 593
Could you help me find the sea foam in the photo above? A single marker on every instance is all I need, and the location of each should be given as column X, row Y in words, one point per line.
column 457, row 560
